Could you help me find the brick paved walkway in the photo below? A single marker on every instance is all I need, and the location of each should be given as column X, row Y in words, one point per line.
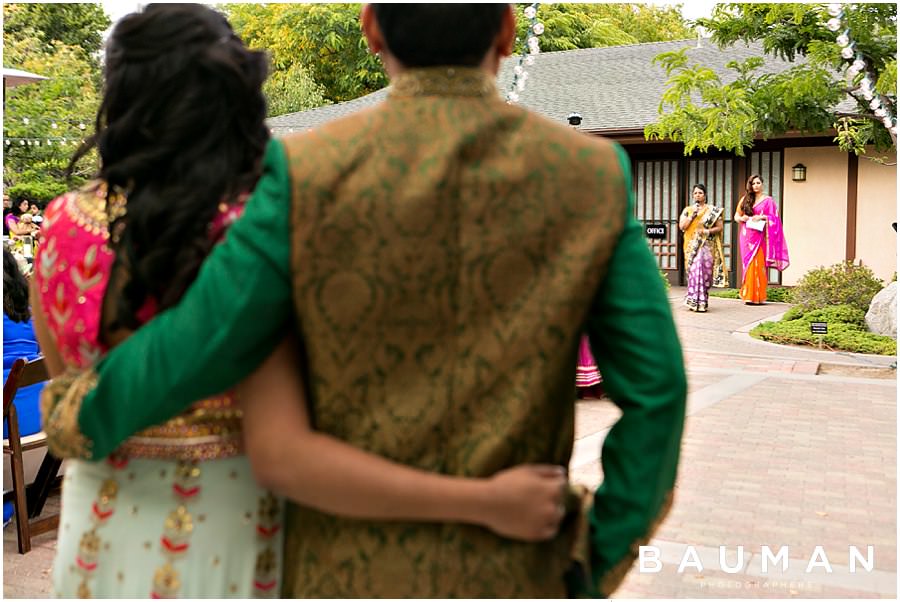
column 773, row 455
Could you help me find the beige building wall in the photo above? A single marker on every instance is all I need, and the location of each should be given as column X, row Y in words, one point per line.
column 876, row 241
column 815, row 211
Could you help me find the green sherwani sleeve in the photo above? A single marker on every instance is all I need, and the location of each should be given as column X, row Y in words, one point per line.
column 637, row 350
column 231, row 318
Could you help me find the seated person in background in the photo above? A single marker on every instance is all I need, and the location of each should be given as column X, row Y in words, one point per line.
column 19, row 341
column 12, row 220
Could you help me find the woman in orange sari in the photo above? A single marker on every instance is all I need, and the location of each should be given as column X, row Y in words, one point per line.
column 761, row 240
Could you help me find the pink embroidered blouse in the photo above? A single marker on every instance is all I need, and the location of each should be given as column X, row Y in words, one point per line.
column 72, row 272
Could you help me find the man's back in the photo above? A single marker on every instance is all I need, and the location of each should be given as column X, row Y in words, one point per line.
column 446, row 251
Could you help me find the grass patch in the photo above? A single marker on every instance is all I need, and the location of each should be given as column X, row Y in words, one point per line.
column 776, row 295
column 846, row 331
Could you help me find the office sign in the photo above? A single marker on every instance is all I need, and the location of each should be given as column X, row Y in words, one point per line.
column 656, row 231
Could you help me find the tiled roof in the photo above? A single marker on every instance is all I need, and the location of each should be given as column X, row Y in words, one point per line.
column 612, row 88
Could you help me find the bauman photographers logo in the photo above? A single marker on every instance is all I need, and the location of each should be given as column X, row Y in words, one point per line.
column 649, row 560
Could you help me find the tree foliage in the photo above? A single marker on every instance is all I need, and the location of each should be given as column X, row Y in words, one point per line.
column 291, row 90
column 703, row 111
column 323, row 41
column 79, row 25
column 573, row 26
column 42, row 121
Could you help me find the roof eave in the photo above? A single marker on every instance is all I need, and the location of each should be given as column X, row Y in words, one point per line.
column 633, row 135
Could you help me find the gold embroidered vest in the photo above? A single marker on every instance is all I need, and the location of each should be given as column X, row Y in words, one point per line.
column 446, row 247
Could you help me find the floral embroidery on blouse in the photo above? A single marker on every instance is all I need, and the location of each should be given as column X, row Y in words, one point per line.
column 72, row 273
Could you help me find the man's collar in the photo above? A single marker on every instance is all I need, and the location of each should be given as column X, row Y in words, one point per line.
column 443, row 81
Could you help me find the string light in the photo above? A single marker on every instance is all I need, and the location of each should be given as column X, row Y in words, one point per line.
column 55, row 122
column 8, row 141
column 858, row 65
column 532, row 47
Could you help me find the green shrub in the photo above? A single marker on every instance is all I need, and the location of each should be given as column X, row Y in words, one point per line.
column 846, row 314
column 792, row 314
column 724, row 293
column 780, row 295
column 846, row 330
column 843, row 283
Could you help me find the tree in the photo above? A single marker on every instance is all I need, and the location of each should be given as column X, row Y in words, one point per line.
column 45, row 121
column 324, row 40
column 327, row 41
column 572, row 26
column 701, row 110
column 78, row 25
column 291, row 90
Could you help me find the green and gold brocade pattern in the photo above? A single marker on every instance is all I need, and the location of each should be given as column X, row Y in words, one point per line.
column 446, row 248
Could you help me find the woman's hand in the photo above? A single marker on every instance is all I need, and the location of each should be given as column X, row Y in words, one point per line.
column 526, row 502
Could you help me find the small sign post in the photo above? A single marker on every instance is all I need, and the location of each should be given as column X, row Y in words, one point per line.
column 819, row 328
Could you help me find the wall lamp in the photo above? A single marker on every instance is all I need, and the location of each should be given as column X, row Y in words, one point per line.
column 798, row 172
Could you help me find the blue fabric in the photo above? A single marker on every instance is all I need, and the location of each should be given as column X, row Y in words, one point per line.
column 19, row 341
column 7, row 512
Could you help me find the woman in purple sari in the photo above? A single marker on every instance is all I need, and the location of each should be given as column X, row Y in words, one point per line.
column 704, row 259
column 761, row 240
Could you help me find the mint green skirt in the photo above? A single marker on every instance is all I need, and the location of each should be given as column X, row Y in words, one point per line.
column 167, row 529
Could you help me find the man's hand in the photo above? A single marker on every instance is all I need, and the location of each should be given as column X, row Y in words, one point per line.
column 526, row 502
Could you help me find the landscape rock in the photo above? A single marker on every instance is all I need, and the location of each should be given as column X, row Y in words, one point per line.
column 882, row 315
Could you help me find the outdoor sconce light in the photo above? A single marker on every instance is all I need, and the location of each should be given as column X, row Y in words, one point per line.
column 798, row 172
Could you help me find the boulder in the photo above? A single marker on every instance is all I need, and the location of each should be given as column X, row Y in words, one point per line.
column 882, row 315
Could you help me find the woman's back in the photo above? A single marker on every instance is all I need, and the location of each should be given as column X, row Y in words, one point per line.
column 174, row 512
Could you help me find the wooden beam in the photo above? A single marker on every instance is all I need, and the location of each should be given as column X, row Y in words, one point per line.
column 852, row 186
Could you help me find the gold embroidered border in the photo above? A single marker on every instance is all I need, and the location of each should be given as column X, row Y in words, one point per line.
column 183, row 449
column 60, row 405
column 88, row 207
column 613, row 578
column 212, row 429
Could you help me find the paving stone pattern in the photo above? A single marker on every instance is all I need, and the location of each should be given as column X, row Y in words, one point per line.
column 773, row 455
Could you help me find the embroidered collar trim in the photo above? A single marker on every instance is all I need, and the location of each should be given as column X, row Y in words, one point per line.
column 444, row 81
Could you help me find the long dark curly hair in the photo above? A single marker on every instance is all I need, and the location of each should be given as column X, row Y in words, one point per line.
column 749, row 196
column 15, row 290
column 181, row 129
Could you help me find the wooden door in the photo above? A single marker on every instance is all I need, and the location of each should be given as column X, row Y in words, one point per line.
column 718, row 177
column 657, row 189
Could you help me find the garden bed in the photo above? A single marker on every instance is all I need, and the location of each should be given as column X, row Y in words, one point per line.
column 846, row 331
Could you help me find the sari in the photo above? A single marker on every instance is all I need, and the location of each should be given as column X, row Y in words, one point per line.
column 761, row 250
column 704, row 258
column 587, row 374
